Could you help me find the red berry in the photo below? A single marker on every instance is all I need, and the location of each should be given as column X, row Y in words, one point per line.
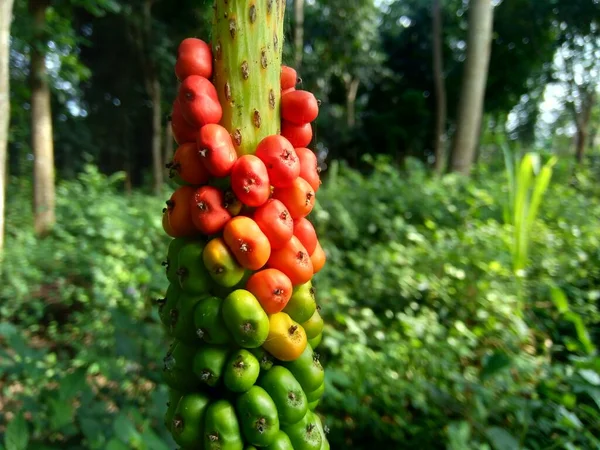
column 280, row 159
column 293, row 260
column 179, row 217
column 289, row 77
column 182, row 131
column 194, row 57
column 188, row 165
column 199, row 101
column 306, row 234
column 275, row 221
column 309, row 167
column 208, row 213
column 216, row 150
column 298, row 135
column 250, row 181
column 299, row 198
column 299, row 107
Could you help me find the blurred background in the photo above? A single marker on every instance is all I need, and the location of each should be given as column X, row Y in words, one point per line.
column 460, row 210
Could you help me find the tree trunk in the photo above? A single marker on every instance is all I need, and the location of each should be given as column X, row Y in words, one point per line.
column 583, row 124
column 298, row 33
column 470, row 106
column 351, row 91
column 440, row 90
column 41, row 125
column 5, row 19
column 157, row 163
column 168, row 147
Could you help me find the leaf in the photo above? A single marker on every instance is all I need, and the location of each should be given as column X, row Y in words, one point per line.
column 559, row 299
column 16, row 436
column 502, row 439
column 494, row 364
column 61, row 413
column 570, row 418
column 459, row 435
column 590, row 376
column 115, row 444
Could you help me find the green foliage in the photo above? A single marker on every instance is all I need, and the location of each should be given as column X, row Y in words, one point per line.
column 423, row 345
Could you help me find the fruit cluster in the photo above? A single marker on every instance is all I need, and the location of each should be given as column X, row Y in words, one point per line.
column 240, row 306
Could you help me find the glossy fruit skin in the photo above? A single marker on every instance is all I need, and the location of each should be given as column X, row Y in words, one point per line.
column 289, row 77
column 287, row 339
column 317, row 394
column 231, row 202
column 302, row 304
column 188, row 420
column 307, row 370
column 180, row 217
column 275, row 221
column 193, row 276
column 209, row 323
column 177, row 368
column 247, row 242
column 183, row 131
column 281, row 442
column 306, row 234
column 316, row 341
column 299, row 198
column 299, row 107
column 250, row 181
column 264, row 358
column 309, row 167
column 272, row 288
column 318, row 258
column 314, row 325
column 287, row 394
column 174, row 397
column 325, row 443
column 258, row 416
column 245, row 319
column 280, row 159
column 209, row 363
column 241, row 371
column 215, row 149
column 166, row 223
column 298, row 135
column 199, row 101
column 221, row 264
column 208, row 214
column 305, row 434
column 187, row 165
column 221, row 427
column 168, row 311
column 194, row 57
column 184, row 330
column 292, row 260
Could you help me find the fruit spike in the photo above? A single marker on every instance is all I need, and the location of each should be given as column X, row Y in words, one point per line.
column 247, row 48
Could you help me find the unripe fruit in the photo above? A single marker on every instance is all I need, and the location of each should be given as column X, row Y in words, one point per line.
column 194, row 57
column 287, row 339
column 247, row 242
column 199, row 101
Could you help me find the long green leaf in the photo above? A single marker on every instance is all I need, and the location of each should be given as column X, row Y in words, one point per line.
column 542, row 182
column 524, row 180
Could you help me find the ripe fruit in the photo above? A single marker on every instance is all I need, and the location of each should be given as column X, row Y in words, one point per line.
column 208, row 214
column 293, row 260
column 272, row 288
column 247, row 242
column 221, row 263
column 187, row 165
column 199, row 101
column 299, row 107
column 286, row 392
column 178, row 212
column 183, row 131
column 194, row 57
column 318, row 258
column 299, row 198
column 250, row 180
column 281, row 161
column 298, row 135
column 287, row 339
column 245, row 319
column 289, row 77
column 275, row 221
column 216, row 150
column 309, row 167
column 241, row 371
column 258, row 416
column 188, row 420
column 306, row 234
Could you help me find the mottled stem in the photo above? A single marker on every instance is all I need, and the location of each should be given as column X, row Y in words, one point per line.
column 247, row 46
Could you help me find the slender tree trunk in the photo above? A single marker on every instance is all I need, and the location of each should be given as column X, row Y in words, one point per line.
column 351, row 92
column 41, row 125
column 470, row 106
column 157, row 163
column 440, row 90
column 168, row 147
column 5, row 20
column 298, row 32
column 583, row 124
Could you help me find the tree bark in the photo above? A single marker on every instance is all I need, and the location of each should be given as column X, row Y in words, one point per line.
column 351, row 92
column 169, row 146
column 5, row 20
column 157, row 162
column 582, row 122
column 41, row 125
column 470, row 108
column 298, row 33
column 440, row 90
